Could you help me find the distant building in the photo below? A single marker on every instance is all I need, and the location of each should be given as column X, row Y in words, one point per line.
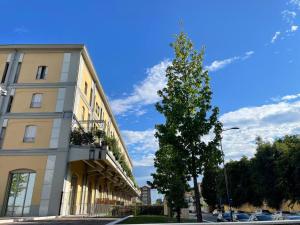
column 158, row 201
column 146, row 195
column 190, row 211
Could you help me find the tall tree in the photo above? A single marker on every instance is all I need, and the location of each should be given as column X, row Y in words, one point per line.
column 209, row 187
column 265, row 171
column 186, row 105
column 170, row 177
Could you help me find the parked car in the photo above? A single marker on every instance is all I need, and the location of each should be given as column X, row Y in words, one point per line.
column 240, row 217
column 263, row 211
column 281, row 215
column 216, row 212
column 261, row 217
column 292, row 217
column 225, row 217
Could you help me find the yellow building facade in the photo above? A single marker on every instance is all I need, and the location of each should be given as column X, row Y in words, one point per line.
column 53, row 90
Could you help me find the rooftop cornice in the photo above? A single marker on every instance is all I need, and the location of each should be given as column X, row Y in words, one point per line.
column 42, row 46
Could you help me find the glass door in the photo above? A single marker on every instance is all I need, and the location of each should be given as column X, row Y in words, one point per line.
column 20, row 193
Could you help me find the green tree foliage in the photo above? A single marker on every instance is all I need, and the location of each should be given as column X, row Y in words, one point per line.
column 271, row 176
column 170, row 177
column 265, row 172
column 189, row 116
column 239, row 182
column 209, row 189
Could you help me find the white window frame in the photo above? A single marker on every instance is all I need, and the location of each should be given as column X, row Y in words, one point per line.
column 30, row 134
column 34, row 103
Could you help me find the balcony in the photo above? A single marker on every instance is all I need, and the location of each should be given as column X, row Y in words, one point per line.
column 101, row 153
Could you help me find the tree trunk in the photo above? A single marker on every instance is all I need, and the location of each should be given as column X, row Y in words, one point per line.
column 197, row 199
column 178, row 215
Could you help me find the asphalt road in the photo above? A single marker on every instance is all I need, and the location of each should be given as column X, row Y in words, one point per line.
column 69, row 221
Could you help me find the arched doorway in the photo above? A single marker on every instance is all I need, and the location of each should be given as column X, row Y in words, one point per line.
column 20, row 190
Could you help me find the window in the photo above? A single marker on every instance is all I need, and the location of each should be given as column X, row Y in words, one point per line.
column 18, row 72
column 9, row 104
column 91, row 97
column 83, row 113
column 21, row 184
column 85, row 88
column 2, row 135
column 97, row 109
column 101, row 115
column 30, row 133
column 42, row 72
column 36, row 101
column 4, row 72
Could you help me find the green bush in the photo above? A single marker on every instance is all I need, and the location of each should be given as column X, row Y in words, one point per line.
column 151, row 210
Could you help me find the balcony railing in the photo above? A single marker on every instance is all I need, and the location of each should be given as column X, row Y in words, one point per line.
column 92, row 133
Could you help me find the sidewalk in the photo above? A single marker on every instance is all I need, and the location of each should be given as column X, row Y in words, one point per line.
column 5, row 220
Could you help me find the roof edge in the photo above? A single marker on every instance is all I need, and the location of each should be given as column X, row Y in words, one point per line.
column 41, row 46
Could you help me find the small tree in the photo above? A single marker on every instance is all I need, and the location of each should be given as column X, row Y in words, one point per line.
column 170, row 178
column 189, row 116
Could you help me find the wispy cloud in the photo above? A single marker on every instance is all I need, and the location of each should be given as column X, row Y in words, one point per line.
column 295, row 3
column 21, row 30
column 275, row 36
column 286, row 98
column 144, row 93
column 219, row 64
column 288, row 16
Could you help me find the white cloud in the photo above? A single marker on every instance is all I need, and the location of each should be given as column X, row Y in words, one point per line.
column 295, row 3
column 142, row 141
column 146, row 160
column 142, row 145
column 219, row 64
column 269, row 121
column 285, row 98
column 288, row 16
column 277, row 33
column 144, row 93
column 290, row 97
column 294, row 28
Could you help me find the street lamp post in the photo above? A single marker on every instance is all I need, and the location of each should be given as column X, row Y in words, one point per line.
column 225, row 173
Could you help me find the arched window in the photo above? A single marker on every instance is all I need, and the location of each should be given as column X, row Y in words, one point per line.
column 20, row 190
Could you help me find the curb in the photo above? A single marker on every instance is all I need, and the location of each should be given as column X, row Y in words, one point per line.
column 6, row 221
column 26, row 219
column 119, row 220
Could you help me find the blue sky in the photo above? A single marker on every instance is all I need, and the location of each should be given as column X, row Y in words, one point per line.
column 252, row 53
